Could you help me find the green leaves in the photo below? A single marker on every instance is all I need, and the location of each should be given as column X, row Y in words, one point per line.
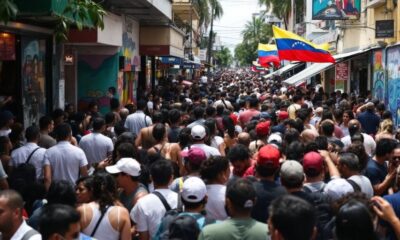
column 8, row 10
column 224, row 57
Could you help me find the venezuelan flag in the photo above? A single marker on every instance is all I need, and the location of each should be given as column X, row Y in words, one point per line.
column 268, row 53
column 295, row 48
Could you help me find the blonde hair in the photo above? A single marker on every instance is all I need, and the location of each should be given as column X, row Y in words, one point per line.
column 386, row 126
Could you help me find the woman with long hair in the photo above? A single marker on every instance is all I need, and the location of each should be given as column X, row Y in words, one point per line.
column 103, row 218
column 386, row 130
column 344, row 125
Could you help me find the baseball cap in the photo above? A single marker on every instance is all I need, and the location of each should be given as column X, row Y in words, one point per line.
column 292, row 170
column 313, row 160
column 126, row 165
column 198, row 132
column 337, row 188
column 282, row 115
column 262, row 128
column 275, row 137
column 194, row 155
column 194, row 190
column 269, row 154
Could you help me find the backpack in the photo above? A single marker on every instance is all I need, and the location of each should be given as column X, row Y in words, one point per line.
column 355, row 186
column 24, row 174
column 322, row 205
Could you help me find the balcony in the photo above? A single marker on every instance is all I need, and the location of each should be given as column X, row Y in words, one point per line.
column 185, row 10
column 375, row 3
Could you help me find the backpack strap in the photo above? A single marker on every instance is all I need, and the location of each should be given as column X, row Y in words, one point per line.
column 30, row 155
column 99, row 221
column 355, row 186
column 163, row 200
column 208, row 221
column 29, row 234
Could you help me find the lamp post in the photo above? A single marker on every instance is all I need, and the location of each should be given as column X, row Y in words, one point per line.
column 210, row 39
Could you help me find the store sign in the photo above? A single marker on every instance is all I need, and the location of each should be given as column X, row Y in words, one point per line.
column 7, row 47
column 341, row 75
column 203, row 54
column 171, row 60
column 384, row 29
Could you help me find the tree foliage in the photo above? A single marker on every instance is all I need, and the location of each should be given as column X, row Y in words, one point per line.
column 224, row 57
column 282, row 8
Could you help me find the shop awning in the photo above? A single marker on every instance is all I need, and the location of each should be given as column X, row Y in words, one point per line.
column 316, row 68
column 188, row 64
column 282, row 70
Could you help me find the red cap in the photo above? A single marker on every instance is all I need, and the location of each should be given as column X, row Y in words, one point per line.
column 194, row 155
column 283, row 115
column 262, row 128
column 313, row 160
column 269, row 154
column 234, row 118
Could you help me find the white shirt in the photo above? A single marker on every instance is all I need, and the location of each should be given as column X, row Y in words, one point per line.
column 219, row 102
column 149, row 210
column 215, row 206
column 136, row 121
column 5, row 132
column 24, row 228
column 209, row 151
column 369, row 143
column 150, row 105
column 65, row 161
column 96, row 147
column 216, row 141
column 20, row 156
column 364, row 183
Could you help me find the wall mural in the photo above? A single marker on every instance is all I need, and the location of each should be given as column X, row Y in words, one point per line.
column 379, row 81
column 393, row 71
column 33, row 80
column 96, row 73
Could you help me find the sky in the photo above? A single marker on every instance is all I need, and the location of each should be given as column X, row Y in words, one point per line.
column 236, row 15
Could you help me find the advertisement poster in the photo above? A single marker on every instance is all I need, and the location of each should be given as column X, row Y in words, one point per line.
column 341, row 75
column 7, row 47
column 378, row 76
column 33, row 79
column 393, row 71
column 336, row 9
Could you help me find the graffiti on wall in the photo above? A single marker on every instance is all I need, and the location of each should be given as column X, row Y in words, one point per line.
column 393, row 71
column 33, row 80
column 379, row 82
column 96, row 73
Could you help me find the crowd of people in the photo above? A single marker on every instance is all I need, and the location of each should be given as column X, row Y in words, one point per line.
column 232, row 156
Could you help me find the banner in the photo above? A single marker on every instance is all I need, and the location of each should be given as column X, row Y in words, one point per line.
column 341, row 75
column 336, row 9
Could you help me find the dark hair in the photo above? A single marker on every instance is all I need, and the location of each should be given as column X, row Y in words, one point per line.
column 61, row 192
column 322, row 142
column 212, row 167
column 210, row 111
column 210, row 124
column 114, row 104
column 387, row 115
column 98, row 123
column 63, row 131
column 141, row 104
column 238, row 152
column 293, row 217
column 240, row 191
column 229, row 126
column 354, row 222
column 266, row 170
column 184, row 227
column 159, row 132
column 327, row 128
column 297, row 98
column 92, row 104
column 57, row 218
column 14, row 199
column 57, row 113
column 112, row 90
column 198, row 112
column 104, row 190
column 174, row 116
column 295, row 151
column 127, row 150
column 291, row 135
column 253, row 102
column 32, row 133
column 359, row 150
column 109, row 118
column 161, row 172
column 385, row 146
column 350, row 160
column 87, row 182
column 44, row 122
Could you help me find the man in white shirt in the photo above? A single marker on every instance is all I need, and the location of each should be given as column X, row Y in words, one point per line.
column 222, row 101
column 12, row 224
column 35, row 154
column 198, row 133
column 369, row 142
column 96, row 146
column 150, row 209
column 67, row 161
column 138, row 120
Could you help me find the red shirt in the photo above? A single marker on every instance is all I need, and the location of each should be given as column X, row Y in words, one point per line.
column 247, row 115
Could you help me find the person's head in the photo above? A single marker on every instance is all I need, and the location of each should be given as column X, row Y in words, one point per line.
column 194, row 194
column 292, row 175
column 11, row 206
column 262, row 129
column 313, row 165
column 211, row 125
column 198, row 133
column 126, row 171
column 354, row 221
column 295, row 151
column 141, row 104
column 244, row 138
column 58, row 116
column 384, row 148
column 239, row 156
column 63, row 132
column 299, row 99
column 104, row 190
column 84, row 190
column 291, row 218
column 99, row 125
column 32, row 134
column 396, row 156
column 347, row 116
column 174, row 116
column 215, row 169
column 109, row 119
column 46, row 123
column 253, row 102
column 193, row 158
column 291, row 135
column 123, row 113
column 327, row 128
column 114, row 104
column 159, row 132
column 240, row 198
column 126, row 150
column 267, row 161
column 61, row 192
column 184, row 227
column 93, row 107
column 354, row 126
column 161, row 173
column 6, row 119
column 386, row 126
column 59, row 222
column 198, row 112
column 348, row 164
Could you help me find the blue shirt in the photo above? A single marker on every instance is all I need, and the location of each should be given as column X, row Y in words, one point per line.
column 394, row 200
column 376, row 172
column 369, row 122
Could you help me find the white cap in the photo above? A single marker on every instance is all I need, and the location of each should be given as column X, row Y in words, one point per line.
column 275, row 137
column 337, row 188
column 194, row 190
column 198, row 132
column 126, row 165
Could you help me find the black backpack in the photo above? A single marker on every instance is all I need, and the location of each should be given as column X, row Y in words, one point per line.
column 24, row 174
